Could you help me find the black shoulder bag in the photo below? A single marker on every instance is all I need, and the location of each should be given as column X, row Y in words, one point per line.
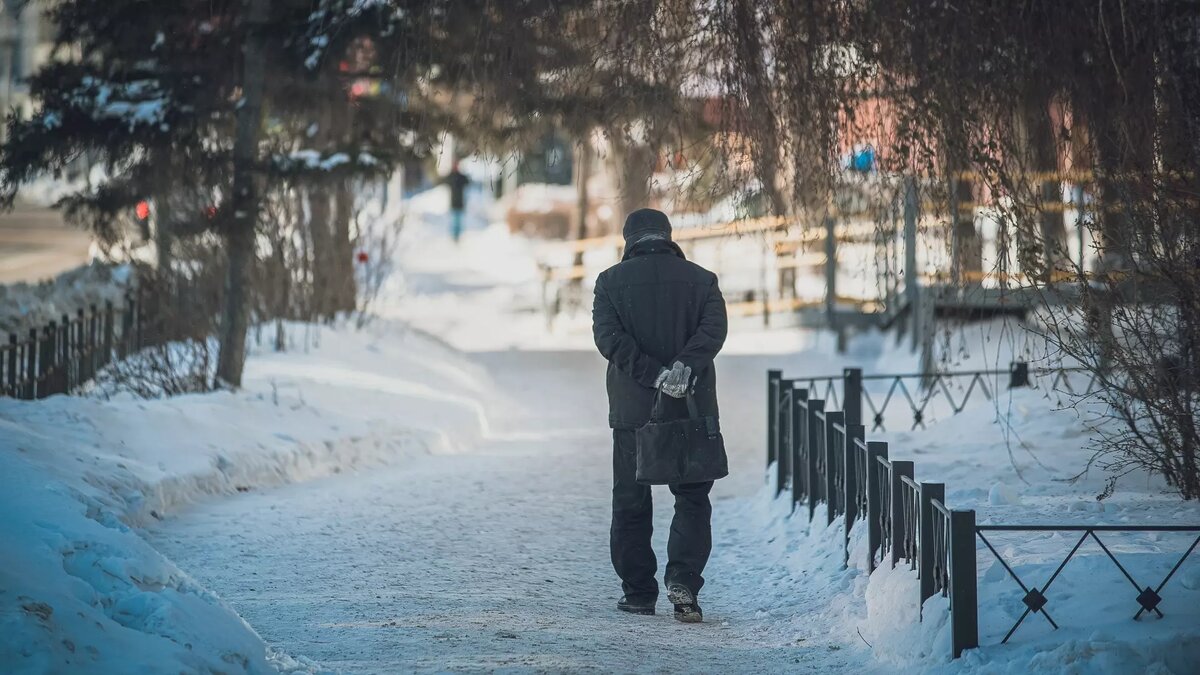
column 688, row 450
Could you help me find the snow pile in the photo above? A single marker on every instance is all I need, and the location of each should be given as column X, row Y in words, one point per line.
column 1015, row 461
column 1092, row 603
column 82, row 591
column 24, row 306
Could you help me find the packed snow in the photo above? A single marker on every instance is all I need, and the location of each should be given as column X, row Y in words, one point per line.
column 82, row 589
column 430, row 493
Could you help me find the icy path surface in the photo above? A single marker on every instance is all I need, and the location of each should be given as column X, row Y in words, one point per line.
column 495, row 559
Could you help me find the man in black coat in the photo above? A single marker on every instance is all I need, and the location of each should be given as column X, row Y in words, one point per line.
column 659, row 320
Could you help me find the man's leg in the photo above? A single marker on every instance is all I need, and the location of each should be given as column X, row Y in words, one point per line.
column 690, row 542
column 632, row 523
column 456, row 223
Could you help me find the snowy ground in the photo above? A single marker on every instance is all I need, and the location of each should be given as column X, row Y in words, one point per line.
column 497, row 557
column 494, row 559
column 432, row 493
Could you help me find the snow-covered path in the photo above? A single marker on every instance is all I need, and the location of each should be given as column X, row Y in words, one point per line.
column 495, row 559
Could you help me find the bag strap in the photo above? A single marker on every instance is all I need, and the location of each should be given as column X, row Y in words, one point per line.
column 656, row 409
column 693, row 409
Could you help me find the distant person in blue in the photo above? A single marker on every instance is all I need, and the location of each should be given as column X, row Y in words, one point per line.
column 457, row 182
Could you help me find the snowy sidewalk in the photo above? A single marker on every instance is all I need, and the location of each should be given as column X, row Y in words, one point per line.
column 495, row 556
column 493, row 559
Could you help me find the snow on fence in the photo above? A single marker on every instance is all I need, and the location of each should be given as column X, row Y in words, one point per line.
column 822, row 456
column 62, row 355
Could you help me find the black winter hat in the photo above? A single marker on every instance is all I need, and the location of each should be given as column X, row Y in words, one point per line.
column 643, row 221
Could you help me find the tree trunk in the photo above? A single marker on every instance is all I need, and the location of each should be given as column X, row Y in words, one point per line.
column 240, row 222
column 164, row 234
column 763, row 126
column 320, row 217
column 583, row 172
column 634, row 167
column 343, row 290
column 966, row 247
column 345, row 296
column 1051, row 234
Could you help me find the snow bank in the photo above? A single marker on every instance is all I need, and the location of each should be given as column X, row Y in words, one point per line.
column 80, row 590
column 1090, row 600
column 1016, row 460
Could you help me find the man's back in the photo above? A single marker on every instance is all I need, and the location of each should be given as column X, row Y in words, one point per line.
column 650, row 310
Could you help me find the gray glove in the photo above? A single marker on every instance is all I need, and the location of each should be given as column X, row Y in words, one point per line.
column 674, row 382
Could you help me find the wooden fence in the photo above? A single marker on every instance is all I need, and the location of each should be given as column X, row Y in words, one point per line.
column 63, row 355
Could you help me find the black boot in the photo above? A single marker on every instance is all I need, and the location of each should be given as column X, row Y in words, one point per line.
column 636, row 606
column 687, row 609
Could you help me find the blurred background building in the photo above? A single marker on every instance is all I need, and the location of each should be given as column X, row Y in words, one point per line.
column 25, row 42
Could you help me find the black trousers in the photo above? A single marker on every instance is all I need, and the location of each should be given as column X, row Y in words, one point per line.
column 689, row 544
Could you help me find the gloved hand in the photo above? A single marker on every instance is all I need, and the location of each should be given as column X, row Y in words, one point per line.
column 674, row 382
column 662, row 377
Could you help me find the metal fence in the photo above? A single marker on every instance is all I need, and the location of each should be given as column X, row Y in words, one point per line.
column 62, row 355
column 876, row 392
column 823, row 458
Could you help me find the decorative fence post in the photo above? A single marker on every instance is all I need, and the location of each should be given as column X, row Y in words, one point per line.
column 45, row 359
column 31, row 365
column 93, row 353
column 109, row 317
column 799, row 418
column 76, row 368
column 783, row 437
column 10, row 378
column 926, row 551
column 849, row 450
column 875, row 451
column 911, row 291
column 964, row 619
column 126, row 345
column 1018, row 374
column 832, row 419
column 773, row 377
column 65, row 338
column 811, row 443
column 831, row 281
column 900, row 469
column 852, row 392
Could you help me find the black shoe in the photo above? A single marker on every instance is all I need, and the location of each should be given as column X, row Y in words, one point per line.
column 687, row 609
column 643, row 607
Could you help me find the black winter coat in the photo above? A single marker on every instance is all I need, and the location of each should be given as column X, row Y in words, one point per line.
column 650, row 310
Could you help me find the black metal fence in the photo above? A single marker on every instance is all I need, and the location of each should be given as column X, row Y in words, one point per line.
column 876, row 392
column 823, row 458
column 62, row 355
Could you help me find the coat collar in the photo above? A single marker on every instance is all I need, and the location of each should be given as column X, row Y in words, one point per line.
column 653, row 247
